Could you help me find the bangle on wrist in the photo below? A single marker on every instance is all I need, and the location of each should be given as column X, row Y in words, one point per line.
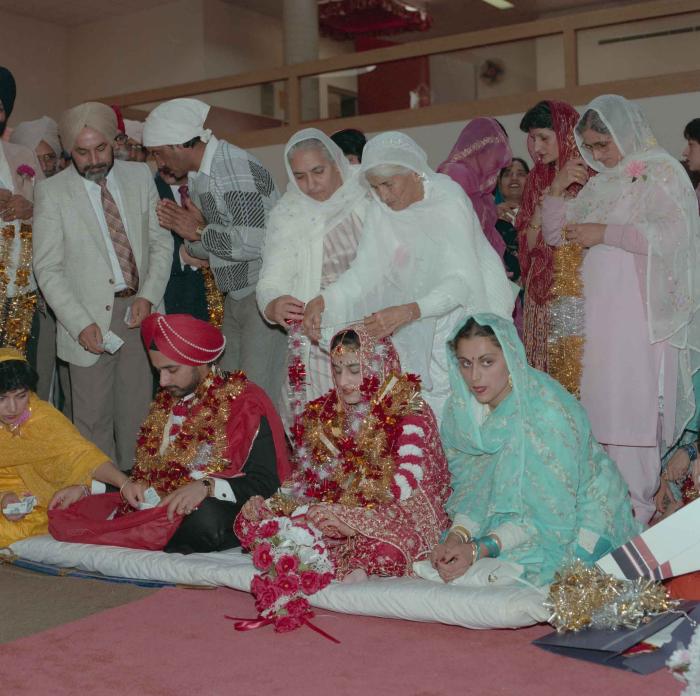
column 462, row 533
column 691, row 451
column 490, row 544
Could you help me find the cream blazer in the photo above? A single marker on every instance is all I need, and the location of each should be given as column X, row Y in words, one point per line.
column 70, row 255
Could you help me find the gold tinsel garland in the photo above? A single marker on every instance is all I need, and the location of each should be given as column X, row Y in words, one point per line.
column 205, row 424
column 565, row 352
column 360, row 467
column 584, row 597
column 215, row 298
column 16, row 312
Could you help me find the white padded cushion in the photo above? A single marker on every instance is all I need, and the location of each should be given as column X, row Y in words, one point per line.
column 415, row 599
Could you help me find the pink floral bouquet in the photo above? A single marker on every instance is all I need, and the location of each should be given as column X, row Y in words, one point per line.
column 292, row 563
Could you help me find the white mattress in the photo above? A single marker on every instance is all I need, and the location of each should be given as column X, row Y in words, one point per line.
column 415, row 599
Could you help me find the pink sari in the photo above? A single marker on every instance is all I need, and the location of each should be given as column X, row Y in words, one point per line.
column 475, row 161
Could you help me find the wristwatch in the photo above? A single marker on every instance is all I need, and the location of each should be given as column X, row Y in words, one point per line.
column 209, row 485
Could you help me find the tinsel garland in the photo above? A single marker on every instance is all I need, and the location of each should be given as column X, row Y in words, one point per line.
column 296, row 376
column 351, row 462
column 566, row 336
column 584, row 597
column 202, row 436
column 215, row 298
column 16, row 312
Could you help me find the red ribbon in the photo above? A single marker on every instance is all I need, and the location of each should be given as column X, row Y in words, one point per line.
column 321, row 631
column 250, row 624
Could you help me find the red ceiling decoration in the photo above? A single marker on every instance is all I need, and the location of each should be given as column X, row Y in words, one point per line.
column 352, row 19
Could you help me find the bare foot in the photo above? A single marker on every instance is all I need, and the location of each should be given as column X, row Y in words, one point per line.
column 357, row 575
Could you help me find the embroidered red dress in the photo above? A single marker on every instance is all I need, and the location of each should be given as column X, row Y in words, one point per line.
column 380, row 468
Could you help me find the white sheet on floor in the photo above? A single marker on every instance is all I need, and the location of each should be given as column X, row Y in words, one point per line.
column 415, row 599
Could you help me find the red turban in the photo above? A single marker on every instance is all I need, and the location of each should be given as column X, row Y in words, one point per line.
column 120, row 119
column 182, row 338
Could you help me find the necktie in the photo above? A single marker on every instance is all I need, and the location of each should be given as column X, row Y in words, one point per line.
column 117, row 233
column 184, row 192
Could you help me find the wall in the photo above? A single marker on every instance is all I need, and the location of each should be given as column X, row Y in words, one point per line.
column 667, row 115
column 642, row 57
column 36, row 53
column 154, row 47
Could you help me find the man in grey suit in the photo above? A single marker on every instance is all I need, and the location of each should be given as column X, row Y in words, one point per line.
column 102, row 261
column 224, row 221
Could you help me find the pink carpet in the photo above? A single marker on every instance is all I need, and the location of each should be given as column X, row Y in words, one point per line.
column 176, row 641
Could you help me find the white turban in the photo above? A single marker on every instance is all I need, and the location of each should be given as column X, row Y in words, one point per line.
column 176, row 122
column 134, row 130
column 31, row 133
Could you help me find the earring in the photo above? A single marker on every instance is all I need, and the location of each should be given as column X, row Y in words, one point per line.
column 510, row 381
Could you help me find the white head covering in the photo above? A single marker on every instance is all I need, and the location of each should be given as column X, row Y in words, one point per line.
column 394, row 147
column 343, row 201
column 175, row 122
column 134, row 130
column 433, row 251
column 650, row 190
column 31, row 133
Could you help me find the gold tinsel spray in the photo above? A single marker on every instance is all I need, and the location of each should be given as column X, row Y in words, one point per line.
column 585, row 597
column 565, row 349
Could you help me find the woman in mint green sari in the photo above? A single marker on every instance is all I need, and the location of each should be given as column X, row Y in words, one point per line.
column 531, row 485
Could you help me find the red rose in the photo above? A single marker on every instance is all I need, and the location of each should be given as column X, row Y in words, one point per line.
column 269, row 529
column 266, row 594
column 299, row 608
column 262, row 558
column 287, row 584
column 284, row 624
column 310, row 582
column 326, row 579
column 287, row 564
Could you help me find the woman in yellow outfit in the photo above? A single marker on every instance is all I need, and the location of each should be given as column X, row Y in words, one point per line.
column 41, row 453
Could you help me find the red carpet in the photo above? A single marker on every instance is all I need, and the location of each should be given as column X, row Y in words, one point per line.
column 176, row 642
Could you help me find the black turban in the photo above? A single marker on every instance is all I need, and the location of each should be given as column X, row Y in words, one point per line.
column 8, row 91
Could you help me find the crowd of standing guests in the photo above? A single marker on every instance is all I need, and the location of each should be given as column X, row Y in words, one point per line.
column 528, row 334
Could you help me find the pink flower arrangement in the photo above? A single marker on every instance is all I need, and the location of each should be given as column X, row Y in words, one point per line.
column 636, row 169
column 25, row 171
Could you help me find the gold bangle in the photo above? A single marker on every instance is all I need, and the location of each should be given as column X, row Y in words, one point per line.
column 462, row 533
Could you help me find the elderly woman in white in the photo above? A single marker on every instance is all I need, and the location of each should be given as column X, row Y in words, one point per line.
column 311, row 239
column 422, row 264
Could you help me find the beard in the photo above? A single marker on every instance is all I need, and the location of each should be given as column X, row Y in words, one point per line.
column 181, row 392
column 95, row 172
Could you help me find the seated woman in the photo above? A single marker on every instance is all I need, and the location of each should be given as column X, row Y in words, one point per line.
column 41, row 453
column 530, row 483
column 371, row 473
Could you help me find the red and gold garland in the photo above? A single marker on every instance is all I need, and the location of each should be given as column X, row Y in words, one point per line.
column 354, row 469
column 16, row 313
column 205, row 423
